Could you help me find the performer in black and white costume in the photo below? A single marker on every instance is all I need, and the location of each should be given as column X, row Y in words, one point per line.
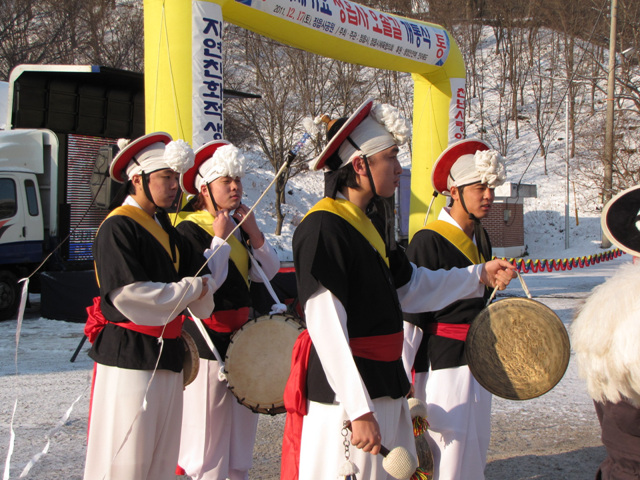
column 218, row 432
column 606, row 337
column 353, row 288
column 458, row 407
column 143, row 267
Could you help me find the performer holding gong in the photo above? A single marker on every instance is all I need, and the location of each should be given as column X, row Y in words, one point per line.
column 458, row 407
column 606, row 336
column 142, row 265
column 353, row 286
column 218, row 433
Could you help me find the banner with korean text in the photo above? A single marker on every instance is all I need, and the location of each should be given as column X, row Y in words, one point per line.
column 350, row 32
column 206, row 73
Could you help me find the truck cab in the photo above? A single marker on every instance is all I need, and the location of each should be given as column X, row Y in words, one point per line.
column 27, row 169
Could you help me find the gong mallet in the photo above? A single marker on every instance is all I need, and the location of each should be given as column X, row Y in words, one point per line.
column 398, row 462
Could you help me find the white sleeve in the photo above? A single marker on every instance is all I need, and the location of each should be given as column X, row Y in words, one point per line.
column 431, row 290
column 268, row 259
column 155, row 303
column 218, row 263
column 412, row 339
column 327, row 324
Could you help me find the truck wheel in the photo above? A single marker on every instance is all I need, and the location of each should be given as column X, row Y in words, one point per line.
column 9, row 295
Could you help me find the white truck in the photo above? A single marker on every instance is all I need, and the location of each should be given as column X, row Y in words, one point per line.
column 62, row 124
column 28, row 211
column 60, row 120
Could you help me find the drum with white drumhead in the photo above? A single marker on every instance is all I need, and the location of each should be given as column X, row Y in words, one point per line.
column 258, row 362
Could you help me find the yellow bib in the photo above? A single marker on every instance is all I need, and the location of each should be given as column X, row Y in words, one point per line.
column 458, row 238
column 356, row 218
column 143, row 219
column 239, row 255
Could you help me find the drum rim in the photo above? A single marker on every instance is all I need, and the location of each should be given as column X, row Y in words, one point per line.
column 192, row 351
column 564, row 343
column 272, row 408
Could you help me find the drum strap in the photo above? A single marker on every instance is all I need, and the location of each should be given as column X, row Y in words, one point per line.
column 455, row 331
column 96, row 322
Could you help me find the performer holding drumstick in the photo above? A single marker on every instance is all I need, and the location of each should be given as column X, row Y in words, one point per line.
column 353, row 286
column 218, row 433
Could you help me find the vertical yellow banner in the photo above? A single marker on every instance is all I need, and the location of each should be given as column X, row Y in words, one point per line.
column 167, row 67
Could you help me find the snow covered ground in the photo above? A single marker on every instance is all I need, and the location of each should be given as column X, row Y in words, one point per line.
column 555, row 436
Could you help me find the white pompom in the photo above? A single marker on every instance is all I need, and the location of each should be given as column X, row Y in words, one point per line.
column 391, row 118
column 417, row 408
column 348, row 468
column 179, row 156
column 123, row 142
column 228, row 161
column 490, row 167
column 310, row 125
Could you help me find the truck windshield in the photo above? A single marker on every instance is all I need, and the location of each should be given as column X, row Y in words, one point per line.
column 8, row 205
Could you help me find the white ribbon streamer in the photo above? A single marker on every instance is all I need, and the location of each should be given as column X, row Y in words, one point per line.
column 12, row 439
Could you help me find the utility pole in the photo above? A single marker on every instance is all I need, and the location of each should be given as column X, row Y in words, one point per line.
column 607, row 184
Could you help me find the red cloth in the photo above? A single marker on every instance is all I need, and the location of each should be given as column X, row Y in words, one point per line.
column 96, row 322
column 295, row 401
column 385, row 348
column 227, row 321
column 455, row 331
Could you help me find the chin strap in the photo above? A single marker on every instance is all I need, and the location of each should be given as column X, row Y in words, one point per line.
column 213, row 200
column 381, row 205
column 162, row 216
column 478, row 231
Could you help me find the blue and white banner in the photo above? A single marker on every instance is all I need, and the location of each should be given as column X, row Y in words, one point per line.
column 207, row 78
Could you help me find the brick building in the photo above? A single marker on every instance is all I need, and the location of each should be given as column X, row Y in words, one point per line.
column 505, row 222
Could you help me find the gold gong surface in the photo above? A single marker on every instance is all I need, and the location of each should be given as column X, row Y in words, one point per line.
column 517, row 348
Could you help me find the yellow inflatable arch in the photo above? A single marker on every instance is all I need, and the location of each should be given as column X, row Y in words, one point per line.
column 337, row 29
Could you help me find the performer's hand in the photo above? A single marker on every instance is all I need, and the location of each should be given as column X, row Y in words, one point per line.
column 222, row 224
column 412, row 391
column 497, row 273
column 366, row 433
column 205, row 287
column 250, row 225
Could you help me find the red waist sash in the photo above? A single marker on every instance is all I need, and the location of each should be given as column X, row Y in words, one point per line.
column 385, row 348
column 227, row 321
column 455, row 331
column 96, row 322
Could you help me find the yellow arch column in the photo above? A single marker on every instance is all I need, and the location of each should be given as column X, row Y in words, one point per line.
column 436, row 71
column 167, row 67
column 435, row 126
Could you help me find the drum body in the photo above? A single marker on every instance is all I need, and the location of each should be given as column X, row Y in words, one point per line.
column 191, row 363
column 258, row 362
column 517, row 348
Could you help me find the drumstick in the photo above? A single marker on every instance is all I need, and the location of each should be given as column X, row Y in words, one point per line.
column 398, row 462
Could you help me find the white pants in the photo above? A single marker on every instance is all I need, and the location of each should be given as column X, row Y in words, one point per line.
column 123, row 447
column 459, row 415
column 322, row 451
column 218, row 433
